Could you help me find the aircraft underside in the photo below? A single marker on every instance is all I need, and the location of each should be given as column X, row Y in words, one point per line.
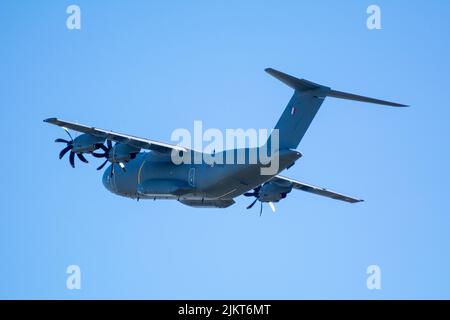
column 154, row 176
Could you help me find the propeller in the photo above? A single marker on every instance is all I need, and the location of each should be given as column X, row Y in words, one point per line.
column 272, row 206
column 107, row 149
column 256, row 194
column 69, row 147
column 107, row 154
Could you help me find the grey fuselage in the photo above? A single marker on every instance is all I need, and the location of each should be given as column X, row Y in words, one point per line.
column 153, row 175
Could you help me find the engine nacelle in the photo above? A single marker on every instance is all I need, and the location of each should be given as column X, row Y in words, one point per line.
column 86, row 143
column 122, row 153
column 274, row 191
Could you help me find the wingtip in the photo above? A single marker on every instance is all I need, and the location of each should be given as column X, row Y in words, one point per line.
column 49, row 119
column 399, row 105
column 274, row 72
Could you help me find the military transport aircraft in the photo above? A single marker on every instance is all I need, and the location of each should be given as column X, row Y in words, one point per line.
column 154, row 175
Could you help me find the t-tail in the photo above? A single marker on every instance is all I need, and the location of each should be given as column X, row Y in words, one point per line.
column 304, row 104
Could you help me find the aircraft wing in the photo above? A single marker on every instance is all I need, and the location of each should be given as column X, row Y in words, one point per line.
column 117, row 137
column 316, row 190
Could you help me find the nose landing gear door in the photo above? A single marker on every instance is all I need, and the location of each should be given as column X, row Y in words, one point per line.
column 191, row 177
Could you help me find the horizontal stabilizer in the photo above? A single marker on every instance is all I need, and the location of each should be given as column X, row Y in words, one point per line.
column 305, row 85
column 293, row 82
column 349, row 96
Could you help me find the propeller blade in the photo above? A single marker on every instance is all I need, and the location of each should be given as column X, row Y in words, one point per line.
column 99, row 155
column 102, row 165
column 255, row 192
column 109, row 144
column 252, row 204
column 65, row 129
column 102, row 146
column 72, row 159
column 250, row 194
column 272, row 206
column 82, row 158
column 64, row 151
column 62, row 140
column 260, row 210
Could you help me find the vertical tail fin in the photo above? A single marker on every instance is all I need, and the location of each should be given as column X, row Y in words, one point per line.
column 304, row 105
column 300, row 111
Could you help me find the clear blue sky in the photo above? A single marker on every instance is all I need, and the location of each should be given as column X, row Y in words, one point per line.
column 147, row 68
